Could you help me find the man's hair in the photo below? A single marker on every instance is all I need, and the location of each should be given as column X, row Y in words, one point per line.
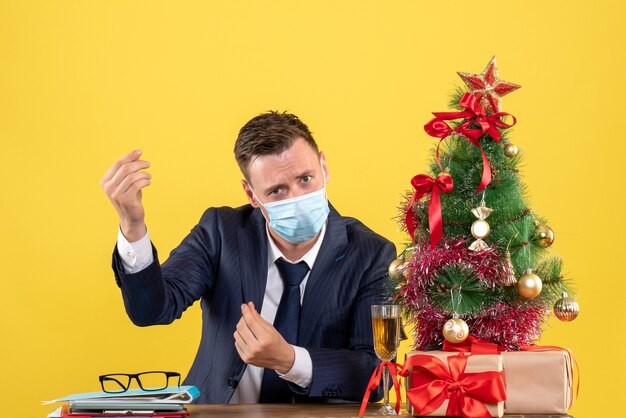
column 269, row 134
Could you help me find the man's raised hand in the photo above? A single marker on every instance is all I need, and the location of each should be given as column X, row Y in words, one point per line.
column 258, row 343
column 123, row 183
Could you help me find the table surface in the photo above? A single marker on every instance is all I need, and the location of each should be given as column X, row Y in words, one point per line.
column 302, row 410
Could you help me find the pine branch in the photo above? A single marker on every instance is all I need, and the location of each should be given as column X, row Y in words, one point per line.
column 549, row 271
column 457, row 290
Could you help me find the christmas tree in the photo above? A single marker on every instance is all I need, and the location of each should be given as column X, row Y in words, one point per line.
column 478, row 259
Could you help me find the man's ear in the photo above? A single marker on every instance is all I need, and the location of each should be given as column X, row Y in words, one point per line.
column 249, row 194
column 324, row 166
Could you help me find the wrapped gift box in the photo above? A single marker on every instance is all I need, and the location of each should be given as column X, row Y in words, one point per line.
column 538, row 382
column 475, row 364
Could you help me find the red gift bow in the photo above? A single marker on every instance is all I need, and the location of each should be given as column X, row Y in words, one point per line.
column 394, row 369
column 475, row 114
column 466, row 393
column 473, row 345
column 424, row 185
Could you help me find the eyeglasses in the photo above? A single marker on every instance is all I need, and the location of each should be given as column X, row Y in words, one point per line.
column 148, row 381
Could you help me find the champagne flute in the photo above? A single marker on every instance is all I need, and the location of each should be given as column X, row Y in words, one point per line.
column 386, row 331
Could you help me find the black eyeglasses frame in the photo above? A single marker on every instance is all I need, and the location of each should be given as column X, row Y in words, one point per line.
column 137, row 377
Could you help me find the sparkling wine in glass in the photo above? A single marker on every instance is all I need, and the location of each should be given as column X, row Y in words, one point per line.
column 386, row 331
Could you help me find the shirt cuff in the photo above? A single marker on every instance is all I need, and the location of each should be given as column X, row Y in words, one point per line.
column 135, row 256
column 301, row 372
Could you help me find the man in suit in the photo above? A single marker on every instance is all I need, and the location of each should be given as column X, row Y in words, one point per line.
column 285, row 282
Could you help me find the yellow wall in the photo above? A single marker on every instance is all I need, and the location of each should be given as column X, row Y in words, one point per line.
column 82, row 82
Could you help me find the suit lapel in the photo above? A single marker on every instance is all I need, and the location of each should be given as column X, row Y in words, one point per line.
column 323, row 278
column 253, row 259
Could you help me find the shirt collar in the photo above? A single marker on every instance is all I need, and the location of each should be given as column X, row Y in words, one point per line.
column 309, row 258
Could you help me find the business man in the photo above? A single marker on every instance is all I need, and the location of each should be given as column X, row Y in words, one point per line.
column 285, row 282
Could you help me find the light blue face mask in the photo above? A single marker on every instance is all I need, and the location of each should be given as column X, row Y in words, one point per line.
column 298, row 219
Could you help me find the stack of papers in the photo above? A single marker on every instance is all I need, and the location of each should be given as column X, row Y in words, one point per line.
column 165, row 403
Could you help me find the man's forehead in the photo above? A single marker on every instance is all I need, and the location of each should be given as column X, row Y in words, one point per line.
column 295, row 160
column 274, row 175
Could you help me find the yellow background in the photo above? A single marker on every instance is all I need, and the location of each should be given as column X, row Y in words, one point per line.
column 83, row 82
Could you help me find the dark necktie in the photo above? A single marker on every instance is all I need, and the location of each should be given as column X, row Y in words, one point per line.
column 273, row 388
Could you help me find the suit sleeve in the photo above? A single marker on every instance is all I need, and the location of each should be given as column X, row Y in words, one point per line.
column 345, row 373
column 159, row 294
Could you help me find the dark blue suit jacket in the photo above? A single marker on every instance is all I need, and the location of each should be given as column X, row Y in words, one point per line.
column 223, row 262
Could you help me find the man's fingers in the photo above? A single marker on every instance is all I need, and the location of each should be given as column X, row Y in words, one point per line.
column 110, row 186
column 138, row 185
column 239, row 349
column 255, row 322
column 126, row 170
column 127, row 192
column 244, row 332
column 131, row 156
column 242, row 350
column 259, row 343
column 134, row 182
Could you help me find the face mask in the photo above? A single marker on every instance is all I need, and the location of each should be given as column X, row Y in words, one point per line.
column 298, row 219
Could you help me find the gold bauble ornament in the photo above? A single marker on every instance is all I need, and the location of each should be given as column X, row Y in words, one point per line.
column 566, row 308
column 396, row 268
column 455, row 330
column 510, row 150
column 529, row 285
column 544, row 235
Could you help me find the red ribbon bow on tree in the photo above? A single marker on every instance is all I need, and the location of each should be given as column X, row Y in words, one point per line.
column 424, row 185
column 394, row 369
column 478, row 114
column 475, row 114
column 466, row 393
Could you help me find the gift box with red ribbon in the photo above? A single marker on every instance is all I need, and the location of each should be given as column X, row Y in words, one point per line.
column 538, row 382
column 441, row 383
column 539, row 379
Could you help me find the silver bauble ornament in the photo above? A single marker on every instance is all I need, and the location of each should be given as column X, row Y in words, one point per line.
column 566, row 308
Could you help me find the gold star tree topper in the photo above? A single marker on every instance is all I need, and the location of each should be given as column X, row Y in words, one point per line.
column 488, row 87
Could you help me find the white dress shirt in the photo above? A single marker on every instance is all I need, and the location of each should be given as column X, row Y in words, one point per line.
column 137, row 256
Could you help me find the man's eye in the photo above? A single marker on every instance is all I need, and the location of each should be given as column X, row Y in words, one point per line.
column 275, row 191
column 306, row 179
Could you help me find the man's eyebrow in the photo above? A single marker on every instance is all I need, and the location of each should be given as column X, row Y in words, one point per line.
column 270, row 189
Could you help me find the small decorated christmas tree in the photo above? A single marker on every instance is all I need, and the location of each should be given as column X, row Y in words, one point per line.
column 478, row 260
